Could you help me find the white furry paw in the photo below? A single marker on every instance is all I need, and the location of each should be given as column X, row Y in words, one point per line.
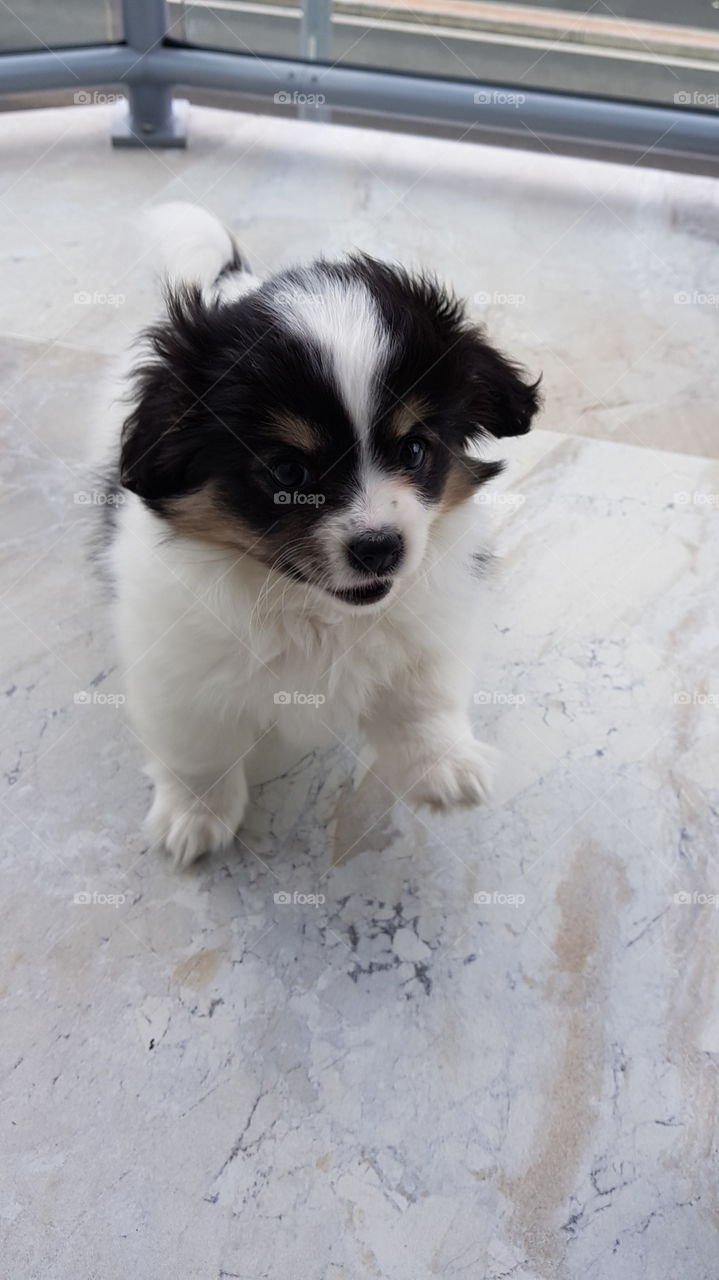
column 460, row 779
column 188, row 827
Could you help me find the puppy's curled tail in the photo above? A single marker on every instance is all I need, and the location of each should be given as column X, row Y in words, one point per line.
column 190, row 245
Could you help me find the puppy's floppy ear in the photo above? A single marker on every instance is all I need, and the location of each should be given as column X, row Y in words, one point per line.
column 166, row 435
column 503, row 400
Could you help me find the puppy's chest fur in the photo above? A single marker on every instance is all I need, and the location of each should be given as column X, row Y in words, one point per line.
column 324, row 674
column 310, row 676
column 241, row 649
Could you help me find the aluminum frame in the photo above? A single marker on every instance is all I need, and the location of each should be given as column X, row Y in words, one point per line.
column 147, row 67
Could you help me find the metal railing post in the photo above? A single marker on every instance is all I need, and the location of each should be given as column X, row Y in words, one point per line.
column 316, row 31
column 316, row 46
column 150, row 117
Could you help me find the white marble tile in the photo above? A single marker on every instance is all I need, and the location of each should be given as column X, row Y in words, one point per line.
column 398, row 1081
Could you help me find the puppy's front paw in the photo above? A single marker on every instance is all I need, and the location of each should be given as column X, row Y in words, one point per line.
column 461, row 778
column 189, row 827
column 186, row 836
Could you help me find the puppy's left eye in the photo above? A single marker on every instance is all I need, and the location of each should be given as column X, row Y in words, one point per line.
column 290, row 473
column 412, row 453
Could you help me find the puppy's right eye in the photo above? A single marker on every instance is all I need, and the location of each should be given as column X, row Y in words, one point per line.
column 412, row 453
column 290, row 474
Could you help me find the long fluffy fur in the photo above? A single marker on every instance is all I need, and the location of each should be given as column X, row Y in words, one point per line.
column 233, row 615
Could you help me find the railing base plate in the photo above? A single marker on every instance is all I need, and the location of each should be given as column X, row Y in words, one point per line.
column 127, row 133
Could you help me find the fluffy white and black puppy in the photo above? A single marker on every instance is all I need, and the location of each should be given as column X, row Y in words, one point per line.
column 296, row 542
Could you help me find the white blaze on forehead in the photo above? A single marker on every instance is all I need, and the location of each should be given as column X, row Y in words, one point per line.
column 343, row 319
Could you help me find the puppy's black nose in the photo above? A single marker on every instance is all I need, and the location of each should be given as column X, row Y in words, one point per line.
column 376, row 553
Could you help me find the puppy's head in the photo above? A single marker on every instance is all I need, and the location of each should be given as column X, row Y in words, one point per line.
column 321, row 424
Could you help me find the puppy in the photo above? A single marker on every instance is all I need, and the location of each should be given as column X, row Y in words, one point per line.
column 294, row 532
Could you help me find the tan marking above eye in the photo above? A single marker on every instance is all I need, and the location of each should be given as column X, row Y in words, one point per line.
column 296, row 432
column 406, row 417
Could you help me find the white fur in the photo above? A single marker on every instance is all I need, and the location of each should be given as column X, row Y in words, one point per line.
column 190, row 245
column 208, row 639
column 342, row 318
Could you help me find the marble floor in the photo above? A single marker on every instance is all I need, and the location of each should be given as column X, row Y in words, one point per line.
column 371, row 1043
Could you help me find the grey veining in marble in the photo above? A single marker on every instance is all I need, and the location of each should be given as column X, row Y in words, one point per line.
column 371, row 1043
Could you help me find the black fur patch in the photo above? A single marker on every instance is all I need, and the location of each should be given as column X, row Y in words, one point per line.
column 207, row 400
